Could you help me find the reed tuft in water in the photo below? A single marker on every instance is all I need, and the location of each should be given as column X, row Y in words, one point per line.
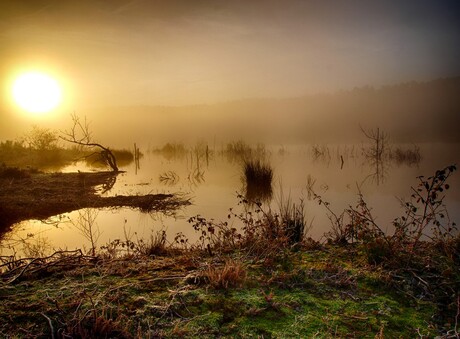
column 257, row 177
column 409, row 157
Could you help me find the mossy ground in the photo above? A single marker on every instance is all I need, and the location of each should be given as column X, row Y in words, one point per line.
column 328, row 292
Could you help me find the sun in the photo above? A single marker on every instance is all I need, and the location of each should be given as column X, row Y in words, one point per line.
column 36, row 92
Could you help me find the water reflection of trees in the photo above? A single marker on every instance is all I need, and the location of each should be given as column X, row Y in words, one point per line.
column 108, row 184
column 380, row 172
column 381, row 156
column 375, row 152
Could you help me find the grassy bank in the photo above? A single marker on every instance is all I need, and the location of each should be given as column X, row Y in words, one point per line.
column 254, row 275
column 318, row 292
column 257, row 282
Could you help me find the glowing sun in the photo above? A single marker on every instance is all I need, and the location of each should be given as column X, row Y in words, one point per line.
column 36, row 92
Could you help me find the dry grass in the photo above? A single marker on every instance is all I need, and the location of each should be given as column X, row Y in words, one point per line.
column 231, row 274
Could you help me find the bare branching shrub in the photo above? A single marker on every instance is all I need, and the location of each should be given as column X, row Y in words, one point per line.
column 422, row 255
column 81, row 135
column 376, row 152
column 425, row 214
column 86, row 224
column 36, row 246
column 379, row 144
column 425, row 218
column 261, row 234
column 339, row 232
column 41, row 139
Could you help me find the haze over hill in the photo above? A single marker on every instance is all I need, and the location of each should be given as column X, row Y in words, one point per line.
column 409, row 112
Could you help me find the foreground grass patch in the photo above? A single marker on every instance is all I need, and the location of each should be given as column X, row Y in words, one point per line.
column 316, row 295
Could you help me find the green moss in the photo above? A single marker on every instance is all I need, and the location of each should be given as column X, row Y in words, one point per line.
column 322, row 294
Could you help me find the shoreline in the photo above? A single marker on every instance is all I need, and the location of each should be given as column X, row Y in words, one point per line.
column 27, row 194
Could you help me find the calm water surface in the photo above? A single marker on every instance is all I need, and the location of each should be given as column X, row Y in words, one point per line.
column 213, row 183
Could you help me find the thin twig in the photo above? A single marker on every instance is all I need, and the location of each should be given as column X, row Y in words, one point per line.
column 50, row 323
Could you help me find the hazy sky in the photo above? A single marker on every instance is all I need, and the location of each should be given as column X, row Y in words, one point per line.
column 177, row 52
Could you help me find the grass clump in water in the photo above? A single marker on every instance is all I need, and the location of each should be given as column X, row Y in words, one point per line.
column 409, row 156
column 257, row 178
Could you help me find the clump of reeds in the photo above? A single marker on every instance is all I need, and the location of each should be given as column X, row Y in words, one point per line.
column 239, row 150
column 293, row 220
column 406, row 156
column 157, row 245
column 257, row 177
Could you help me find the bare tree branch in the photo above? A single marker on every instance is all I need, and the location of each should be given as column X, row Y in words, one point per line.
column 80, row 134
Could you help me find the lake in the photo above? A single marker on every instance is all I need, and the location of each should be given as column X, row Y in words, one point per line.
column 212, row 179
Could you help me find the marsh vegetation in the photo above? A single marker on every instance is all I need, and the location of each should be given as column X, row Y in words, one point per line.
column 41, row 149
column 221, row 271
column 360, row 282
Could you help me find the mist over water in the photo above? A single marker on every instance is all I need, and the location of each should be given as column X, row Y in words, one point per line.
column 412, row 112
column 214, row 182
column 317, row 140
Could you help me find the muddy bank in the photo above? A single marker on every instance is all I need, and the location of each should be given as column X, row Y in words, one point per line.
column 34, row 195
